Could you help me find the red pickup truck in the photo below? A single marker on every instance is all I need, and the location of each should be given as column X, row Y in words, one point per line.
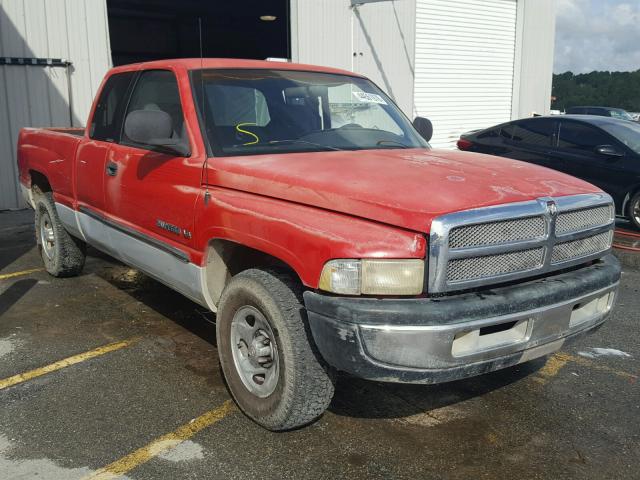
column 299, row 204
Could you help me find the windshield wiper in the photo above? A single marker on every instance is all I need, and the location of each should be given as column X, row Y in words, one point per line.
column 394, row 142
column 295, row 140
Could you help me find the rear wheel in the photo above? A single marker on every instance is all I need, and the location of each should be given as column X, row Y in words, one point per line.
column 634, row 210
column 62, row 254
column 268, row 359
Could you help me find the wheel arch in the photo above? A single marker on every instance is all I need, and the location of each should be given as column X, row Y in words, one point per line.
column 225, row 258
column 633, row 191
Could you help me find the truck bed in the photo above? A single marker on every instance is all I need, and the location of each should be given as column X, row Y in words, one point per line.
column 75, row 131
column 51, row 153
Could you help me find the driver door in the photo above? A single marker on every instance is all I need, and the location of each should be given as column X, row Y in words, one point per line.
column 151, row 192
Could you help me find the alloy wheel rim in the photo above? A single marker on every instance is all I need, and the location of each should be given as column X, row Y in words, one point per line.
column 255, row 352
column 47, row 236
column 636, row 212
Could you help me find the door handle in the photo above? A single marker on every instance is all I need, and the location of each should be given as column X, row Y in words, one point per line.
column 112, row 169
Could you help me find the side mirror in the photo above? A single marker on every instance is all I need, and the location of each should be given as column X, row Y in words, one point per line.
column 424, row 127
column 154, row 128
column 609, row 151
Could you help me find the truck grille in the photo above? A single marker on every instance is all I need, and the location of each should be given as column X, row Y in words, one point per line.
column 461, row 269
column 583, row 247
column 577, row 220
column 497, row 232
column 505, row 242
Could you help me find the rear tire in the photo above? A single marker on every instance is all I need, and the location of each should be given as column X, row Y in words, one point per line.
column 633, row 211
column 62, row 254
column 272, row 368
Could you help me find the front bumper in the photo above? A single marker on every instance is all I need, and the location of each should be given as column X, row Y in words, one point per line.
column 434, row 340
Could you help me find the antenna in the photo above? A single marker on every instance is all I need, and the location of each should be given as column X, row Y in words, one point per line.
column 203, row 111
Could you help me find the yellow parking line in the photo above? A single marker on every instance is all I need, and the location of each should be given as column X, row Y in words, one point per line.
column 585, row 362
column 67, row 362
column 161, row 444
column 4, row 276
column 556, row 362
column 551, row 368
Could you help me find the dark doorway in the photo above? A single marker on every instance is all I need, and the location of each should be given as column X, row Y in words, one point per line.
column 143, row 30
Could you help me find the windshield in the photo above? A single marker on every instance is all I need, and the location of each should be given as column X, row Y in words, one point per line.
column 619, row 113
column 268, row 111
column 626, row 132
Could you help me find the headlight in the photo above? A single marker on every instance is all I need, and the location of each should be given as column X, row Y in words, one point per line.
column 373, row 277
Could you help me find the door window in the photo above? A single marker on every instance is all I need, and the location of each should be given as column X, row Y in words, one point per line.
column 158, row 90
column 106, row 123
column 580, row 136
column 536, row 132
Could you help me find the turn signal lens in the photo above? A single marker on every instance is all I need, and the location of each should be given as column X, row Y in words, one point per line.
column 373, row 277
column 341, row 276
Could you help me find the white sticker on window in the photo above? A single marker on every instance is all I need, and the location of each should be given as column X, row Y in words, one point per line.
column 369, row 97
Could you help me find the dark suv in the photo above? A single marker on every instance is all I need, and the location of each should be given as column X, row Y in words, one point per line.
column 600, row 112
column 601, row 150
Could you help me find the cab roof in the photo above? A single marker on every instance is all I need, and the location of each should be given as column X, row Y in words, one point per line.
column 223, row 63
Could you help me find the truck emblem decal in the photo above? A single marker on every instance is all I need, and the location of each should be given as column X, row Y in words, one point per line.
column 552, row 208
column 169, row 227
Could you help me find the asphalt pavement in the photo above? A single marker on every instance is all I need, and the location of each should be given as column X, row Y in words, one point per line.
column 113, row 375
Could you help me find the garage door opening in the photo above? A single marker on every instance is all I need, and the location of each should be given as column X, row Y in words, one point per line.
column 144, row 30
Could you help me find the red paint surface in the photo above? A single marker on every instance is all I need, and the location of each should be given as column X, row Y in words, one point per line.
column 303, row 208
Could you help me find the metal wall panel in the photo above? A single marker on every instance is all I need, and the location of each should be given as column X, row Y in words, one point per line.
column 534, row 57
column 374, row 39
column 36, row 96
column 321, row 32
column 465, row 53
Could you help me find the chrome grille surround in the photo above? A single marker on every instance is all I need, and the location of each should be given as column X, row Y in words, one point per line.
column 466, row 251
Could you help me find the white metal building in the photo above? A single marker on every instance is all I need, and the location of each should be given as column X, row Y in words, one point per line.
column 465, row 64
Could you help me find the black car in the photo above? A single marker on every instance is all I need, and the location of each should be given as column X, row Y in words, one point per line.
column 601, row 150
column 601, row 112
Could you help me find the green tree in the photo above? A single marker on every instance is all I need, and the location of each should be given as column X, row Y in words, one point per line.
column 606, row 89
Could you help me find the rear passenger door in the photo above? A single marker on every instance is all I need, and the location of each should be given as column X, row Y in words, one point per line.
column 91, row 157
column 531, row 140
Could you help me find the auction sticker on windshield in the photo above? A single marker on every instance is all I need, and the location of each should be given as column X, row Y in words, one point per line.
column 369, row 97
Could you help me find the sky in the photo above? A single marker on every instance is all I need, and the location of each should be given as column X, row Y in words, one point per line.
column 597, row 35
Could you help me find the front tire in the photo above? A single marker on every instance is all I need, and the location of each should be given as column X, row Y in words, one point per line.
column 62, row 254
column 269, row 361
column 634, row 210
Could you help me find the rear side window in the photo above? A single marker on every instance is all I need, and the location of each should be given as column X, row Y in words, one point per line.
column 580, row 136
column 106, row 123
column 493, row 133
column 507, row 131
column 598, row 111
column 538, row 132
column 158, row 90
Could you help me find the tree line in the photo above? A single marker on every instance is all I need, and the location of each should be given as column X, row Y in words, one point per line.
column 606, row 89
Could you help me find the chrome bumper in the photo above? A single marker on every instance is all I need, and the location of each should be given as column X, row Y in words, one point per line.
column 437, row 340
column 446, row 346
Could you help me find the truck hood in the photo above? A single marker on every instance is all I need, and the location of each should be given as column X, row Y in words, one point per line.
column 404, row 188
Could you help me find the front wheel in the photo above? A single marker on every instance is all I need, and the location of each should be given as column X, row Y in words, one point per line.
column 269, row 361
column 634, row 210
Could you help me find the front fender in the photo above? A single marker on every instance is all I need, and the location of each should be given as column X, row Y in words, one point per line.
column 303, row 237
